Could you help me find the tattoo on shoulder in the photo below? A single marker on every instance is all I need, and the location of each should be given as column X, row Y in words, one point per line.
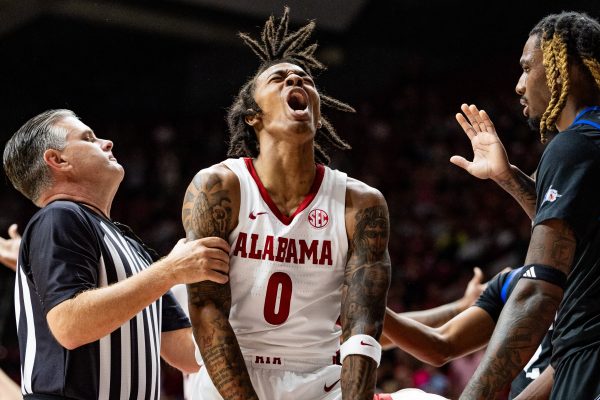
column 207, row 208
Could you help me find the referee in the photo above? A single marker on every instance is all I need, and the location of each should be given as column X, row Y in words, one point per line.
column 93, row 311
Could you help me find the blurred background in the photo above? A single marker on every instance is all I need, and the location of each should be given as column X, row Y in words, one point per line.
column 157, row 76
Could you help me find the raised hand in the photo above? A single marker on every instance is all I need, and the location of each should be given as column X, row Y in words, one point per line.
column 9, row 248
column 490, row 160
column 489, row 156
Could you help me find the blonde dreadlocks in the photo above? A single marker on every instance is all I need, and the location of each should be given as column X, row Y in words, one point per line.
column 568, row 37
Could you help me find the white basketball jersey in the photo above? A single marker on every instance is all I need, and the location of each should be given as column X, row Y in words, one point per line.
column 286, row 273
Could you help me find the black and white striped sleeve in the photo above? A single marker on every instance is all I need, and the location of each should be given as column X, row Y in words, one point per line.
column 63, row 256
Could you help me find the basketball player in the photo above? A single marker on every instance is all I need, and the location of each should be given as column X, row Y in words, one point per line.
column 559, row 89
column 308, row 244
column 469, row 331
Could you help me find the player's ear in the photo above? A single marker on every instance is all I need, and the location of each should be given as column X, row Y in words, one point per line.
column 252, row 118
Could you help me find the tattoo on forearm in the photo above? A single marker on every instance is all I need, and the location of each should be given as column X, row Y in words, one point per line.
column 354, row 385
column 522, row 188
column 207, row 212
column 367, row 275
column 518, row 331
column 209, row 310
column 364, row 293
column 207, row 292
column 511, row 347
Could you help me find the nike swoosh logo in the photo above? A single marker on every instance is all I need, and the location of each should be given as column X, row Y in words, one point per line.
column 365, row 344
column 253, row 215
column 328, row 388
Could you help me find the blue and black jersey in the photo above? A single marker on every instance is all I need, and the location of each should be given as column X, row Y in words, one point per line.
column 568, row 189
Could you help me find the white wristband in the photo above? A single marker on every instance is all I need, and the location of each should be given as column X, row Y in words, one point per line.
column 364, row 345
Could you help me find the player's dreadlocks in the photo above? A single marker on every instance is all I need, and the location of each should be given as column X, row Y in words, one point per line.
column 277, row 45
column 568, row 37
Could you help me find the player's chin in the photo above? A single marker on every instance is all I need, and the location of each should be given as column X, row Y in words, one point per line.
column 299, row 115
column 534, row 123
column 302, row 132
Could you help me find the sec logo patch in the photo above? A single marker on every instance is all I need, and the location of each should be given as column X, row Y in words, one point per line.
column 318, row 218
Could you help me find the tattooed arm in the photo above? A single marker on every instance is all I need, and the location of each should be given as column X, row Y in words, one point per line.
column 521, row 187
column 527, row 315
column 366, row 282
column 210, row 208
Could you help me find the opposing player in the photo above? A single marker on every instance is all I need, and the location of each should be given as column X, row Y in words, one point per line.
column 559, row 89
column 308, row 243
column 468, row 331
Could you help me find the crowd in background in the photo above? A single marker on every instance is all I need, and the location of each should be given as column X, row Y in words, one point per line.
column 443, row 221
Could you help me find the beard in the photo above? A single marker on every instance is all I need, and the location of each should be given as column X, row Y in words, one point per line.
column 534, row 123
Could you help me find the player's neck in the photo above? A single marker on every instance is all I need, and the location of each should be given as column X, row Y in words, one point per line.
column 567, row 115
column 580, row 97
column 287, row 175
column 287, row 166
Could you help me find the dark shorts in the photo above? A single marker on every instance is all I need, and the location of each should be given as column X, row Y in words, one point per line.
column 578, row 376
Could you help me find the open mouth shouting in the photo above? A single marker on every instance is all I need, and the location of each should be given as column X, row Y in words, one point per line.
column 297, row 101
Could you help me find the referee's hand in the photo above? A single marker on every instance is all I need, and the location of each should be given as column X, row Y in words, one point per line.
column 205, row 259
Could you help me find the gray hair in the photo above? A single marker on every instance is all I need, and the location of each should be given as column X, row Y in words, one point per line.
column 24, row 153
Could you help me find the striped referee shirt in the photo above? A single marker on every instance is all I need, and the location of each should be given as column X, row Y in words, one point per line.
column 67, row 249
